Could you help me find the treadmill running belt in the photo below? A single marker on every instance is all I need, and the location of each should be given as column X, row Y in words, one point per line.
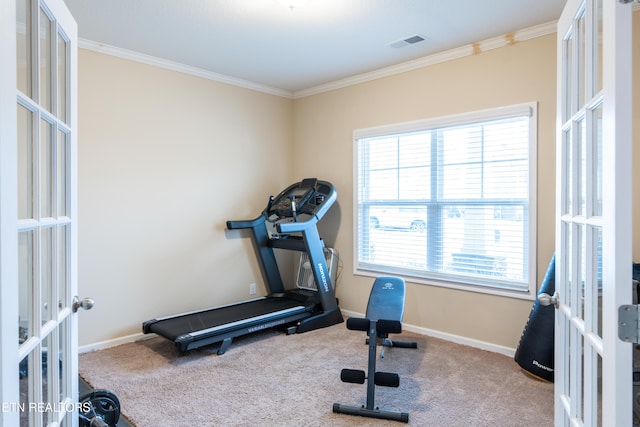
column 192, row 323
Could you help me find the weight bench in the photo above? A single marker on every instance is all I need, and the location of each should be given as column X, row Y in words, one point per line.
column 385, row 311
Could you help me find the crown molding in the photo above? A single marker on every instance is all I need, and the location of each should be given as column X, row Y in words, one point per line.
column 437, row 58
column 181, row 68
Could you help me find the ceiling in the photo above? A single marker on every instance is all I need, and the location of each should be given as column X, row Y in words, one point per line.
column 321, row 41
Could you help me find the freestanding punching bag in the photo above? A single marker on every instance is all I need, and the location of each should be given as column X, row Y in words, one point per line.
column 535, row 351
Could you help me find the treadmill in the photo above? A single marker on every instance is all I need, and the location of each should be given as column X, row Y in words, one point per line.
column 288, row 222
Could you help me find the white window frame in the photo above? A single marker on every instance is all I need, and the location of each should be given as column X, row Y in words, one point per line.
column 529, row 109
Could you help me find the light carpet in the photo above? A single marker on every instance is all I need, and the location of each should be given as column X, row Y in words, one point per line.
column 273, row 379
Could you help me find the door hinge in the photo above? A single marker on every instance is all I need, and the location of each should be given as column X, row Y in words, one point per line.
column 628, row 321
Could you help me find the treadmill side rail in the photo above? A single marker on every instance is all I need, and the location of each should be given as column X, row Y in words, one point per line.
column 192, row 341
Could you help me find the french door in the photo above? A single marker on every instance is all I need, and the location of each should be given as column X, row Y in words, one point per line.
column 593, row 378
column 39, row 152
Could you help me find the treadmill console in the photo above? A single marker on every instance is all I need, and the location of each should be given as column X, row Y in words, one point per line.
column 309, row 196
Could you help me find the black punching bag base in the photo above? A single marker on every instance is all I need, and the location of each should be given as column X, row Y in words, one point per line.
column 535, row 351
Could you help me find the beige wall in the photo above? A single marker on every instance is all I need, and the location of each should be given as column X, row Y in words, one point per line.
column 323, row 135
column 165, row 159
column 524, row 72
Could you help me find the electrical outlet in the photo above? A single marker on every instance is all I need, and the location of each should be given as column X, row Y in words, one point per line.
column 252, row 289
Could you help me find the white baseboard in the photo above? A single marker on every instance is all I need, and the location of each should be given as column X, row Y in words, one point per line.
column 114, row 342
column 483, row 345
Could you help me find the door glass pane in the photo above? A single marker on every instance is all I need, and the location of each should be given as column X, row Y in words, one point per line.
column 597, row 265
column 567, row 237
column 62, row 78
column 46, row 273
column 25, row 284
column 63, row 352
column 581, row 170
column 597, row 47
column 46, row 169
column 581, row 270
column 45, row 71
column 577, row 371
column 599, row 391
column 568, row 162
column 575, row 348
column 563, row 369
column 582, row 393
column 48, row 386
column 25, row 163
column 26, row 391
column 568, row 89
column 23, row 45
column 581, row 61
column 63, row 260
column 590, row 385
column 597, row 162
column 62, row 179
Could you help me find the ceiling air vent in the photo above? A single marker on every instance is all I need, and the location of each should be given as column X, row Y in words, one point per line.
column 416, row 38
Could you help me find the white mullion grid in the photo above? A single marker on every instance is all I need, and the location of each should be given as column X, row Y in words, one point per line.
column 562, row 318
column 52, row 222
column 592, row 342
column 35, row 363
column 575, row 220
column 34, row 378
column 567, row 200
column 589, row 368
column 574, row 238
column 53, row 379
column 566, row 203
column 67, row 325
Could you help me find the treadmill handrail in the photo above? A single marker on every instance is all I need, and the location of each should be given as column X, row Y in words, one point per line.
column 294, row 227
column 250, row 223
column 329, row 201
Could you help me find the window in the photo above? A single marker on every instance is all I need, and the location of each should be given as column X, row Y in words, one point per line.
column 450, row 201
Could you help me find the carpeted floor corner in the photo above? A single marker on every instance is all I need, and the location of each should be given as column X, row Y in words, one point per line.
column 273, row 379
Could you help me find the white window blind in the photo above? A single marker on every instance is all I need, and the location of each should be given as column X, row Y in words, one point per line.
column 450, row 201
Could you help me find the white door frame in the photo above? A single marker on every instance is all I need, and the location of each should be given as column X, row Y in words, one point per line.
column 617, row 210
column 9, row 392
